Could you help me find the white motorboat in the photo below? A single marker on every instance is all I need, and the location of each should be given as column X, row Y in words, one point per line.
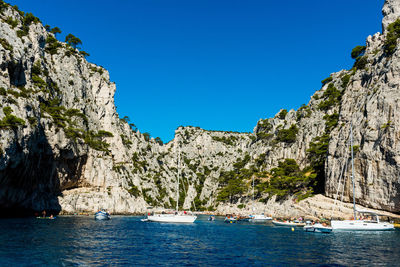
column 317, row 228
column 257, row 217
column 172, row 218
column 102, row 215
column 372, row 222
column 176, row 217
column 288, row 223
column 260, row 218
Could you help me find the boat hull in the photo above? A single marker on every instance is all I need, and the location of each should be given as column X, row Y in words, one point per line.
column 101, row 216
column 318, row 229
column 359, row 225
column 171, row 218
column 288, row 224
column 259, row 218
column 230, row 220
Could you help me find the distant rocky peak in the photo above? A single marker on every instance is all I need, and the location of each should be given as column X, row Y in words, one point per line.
column 390, row 12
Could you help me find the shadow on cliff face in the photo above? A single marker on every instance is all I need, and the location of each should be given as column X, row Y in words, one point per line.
column 30, row 181
column 16, row 73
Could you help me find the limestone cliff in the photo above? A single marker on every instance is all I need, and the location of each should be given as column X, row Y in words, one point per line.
column 70, row 135
column 64, row 147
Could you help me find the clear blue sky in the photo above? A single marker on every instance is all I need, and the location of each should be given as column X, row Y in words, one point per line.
column 220, row 65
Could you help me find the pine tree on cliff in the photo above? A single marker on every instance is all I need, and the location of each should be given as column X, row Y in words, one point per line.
column 72, row 40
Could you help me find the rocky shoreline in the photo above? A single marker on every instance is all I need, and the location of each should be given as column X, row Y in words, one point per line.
column 313, row 208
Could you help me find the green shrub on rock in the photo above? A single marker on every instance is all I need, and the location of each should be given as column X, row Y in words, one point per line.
column 3, row 91
column 13, row 23
column 303, row 112
column 331, row 121
column 32, row 121
column 72, row 40
column 133, row 190
column 287, row 135
column 327, row 80
column 30, row 18
column 6, row 44
column 146, row 136
column 288, row 179
column 345, row 80
column 3, row 6
column 358, row 51
column 10, row 121
column 230, row 140
column 361, row 62
column 55, row 30
column 264, row 136
column 393, row 34
column 282, row 114
column 52, row 45
column 332, row 97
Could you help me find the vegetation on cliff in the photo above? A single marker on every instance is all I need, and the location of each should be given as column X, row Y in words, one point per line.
column 393, row 34
column 283, row 181
column 288, row 179
column 10, row 121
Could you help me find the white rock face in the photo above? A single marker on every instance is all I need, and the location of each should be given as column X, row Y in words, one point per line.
column 66, row 102
column 74, row 154
column 390, row 12
column 370, row 103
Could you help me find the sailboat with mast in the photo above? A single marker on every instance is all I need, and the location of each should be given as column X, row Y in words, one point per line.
column 175, row 217
column 258, row 217
column 368, row 220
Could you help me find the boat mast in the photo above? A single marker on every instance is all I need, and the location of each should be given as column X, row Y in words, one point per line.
column 252, row 204
column 177, row 182
column 352, row 170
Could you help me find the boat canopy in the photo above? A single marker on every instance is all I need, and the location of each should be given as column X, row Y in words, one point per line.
column 370, row 212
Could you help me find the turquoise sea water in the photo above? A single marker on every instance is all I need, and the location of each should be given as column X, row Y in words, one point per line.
column 126, row 241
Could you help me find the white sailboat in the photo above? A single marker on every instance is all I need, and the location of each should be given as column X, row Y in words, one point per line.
column 258, row 217
column 176, row 217
column 371, row 220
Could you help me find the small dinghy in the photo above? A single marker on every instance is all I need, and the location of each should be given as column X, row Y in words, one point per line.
column 317, row 228
column 102, row 215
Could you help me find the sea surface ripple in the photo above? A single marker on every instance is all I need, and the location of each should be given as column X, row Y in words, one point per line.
column 126, row 241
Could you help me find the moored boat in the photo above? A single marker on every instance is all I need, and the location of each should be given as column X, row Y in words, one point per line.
column 370, row 222
column 257, row 217
column 176, row 217
column 317, row 228
column 172, row 218
column 260, row 218
column 230, row 219
column 288, row 223
column 367, row 220
column 102, row 215
column 243, row 218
